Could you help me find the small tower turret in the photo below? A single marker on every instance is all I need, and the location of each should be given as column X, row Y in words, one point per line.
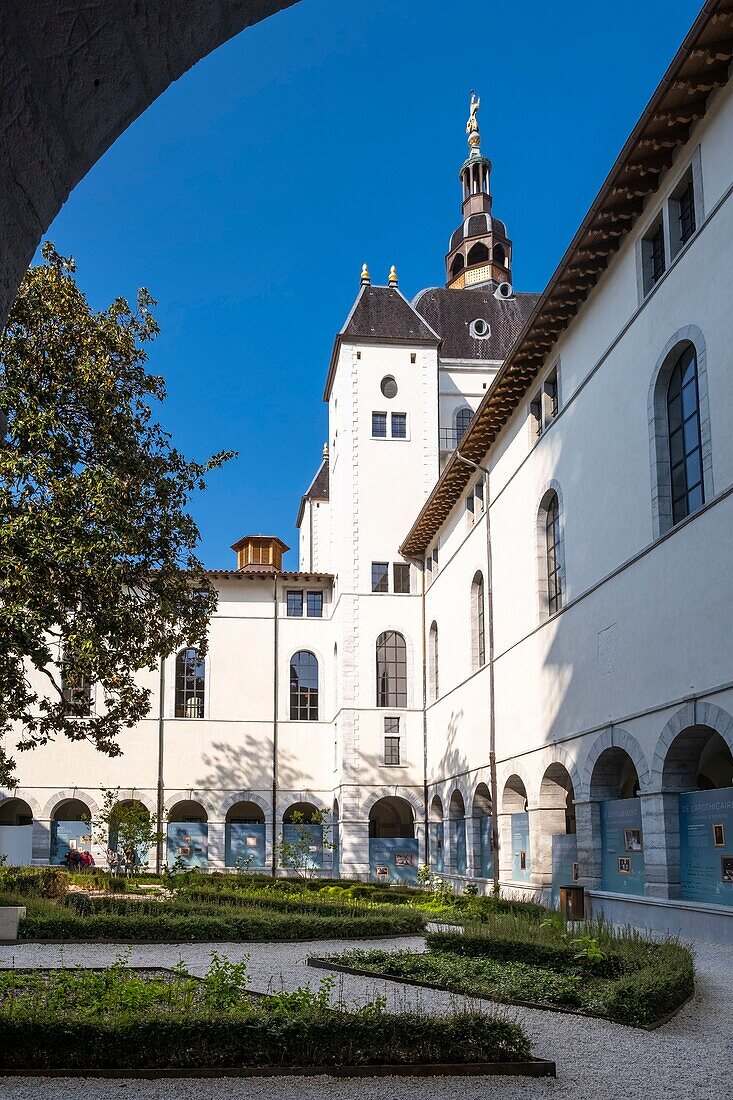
column 479, row 251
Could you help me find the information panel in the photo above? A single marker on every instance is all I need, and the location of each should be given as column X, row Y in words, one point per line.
column 622, row 864
column 393, row 859
column 67, row 836
column 484, row 837
column 301, row 836
column 437, row 858
column 521, row 868
column 706, row 846
column 564, row 863
column 245, row 845
column 188, row 842
column 458, row 829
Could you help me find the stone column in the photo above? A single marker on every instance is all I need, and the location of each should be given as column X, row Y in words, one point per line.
column 661, row 836
column 504, row 854
column 588, row 826
column 354, row 840
column 216, row 845
column 41, row 841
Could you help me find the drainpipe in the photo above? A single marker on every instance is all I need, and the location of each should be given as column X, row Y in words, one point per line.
column 161, row 732
column 492, row 705
column 275, row 687
column 426, row 815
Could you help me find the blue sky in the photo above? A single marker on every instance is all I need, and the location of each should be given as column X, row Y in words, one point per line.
column 247, row 197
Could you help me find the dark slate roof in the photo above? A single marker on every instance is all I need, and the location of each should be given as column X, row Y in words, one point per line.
column 450, row 313
column 382, row 311
column 317, row 490
column 477, row 225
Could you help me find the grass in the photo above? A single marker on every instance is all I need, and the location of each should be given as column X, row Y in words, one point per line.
column 76, row 1019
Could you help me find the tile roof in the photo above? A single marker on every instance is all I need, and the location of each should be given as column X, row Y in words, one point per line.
column 317, row 490
column 450, row 313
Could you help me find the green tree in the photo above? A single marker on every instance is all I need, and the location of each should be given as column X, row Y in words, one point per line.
column 98, row 578
column 126, row 826
column 304, row 835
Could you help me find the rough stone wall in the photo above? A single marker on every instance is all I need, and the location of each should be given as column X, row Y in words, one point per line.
column 74, row 75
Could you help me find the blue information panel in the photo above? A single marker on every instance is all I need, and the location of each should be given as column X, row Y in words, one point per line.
column 521, row 868
column 297, row 834
column 487, row 859
column 188, row 842
column 622, row 862
column 564, row 862
column 245, row 845
column 458, row 830
column 437, row 856
column 706, row 846
column 67, row 836
column 336, row 851
column 393, row 859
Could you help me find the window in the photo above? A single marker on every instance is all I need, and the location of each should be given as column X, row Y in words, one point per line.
column 535, row 417
column 391, row 670
column 190, row 684
column 401, row 574
column 685, row 451
column 380, row 576
column 551, row 396
column 413, row 357
column 478, row 630
column 433, row 657
column 435, row 555
column 379, row 425
column 399, row 425
column 295, row 605
column 77, row 695
column 314, row 605
column 652, row 255
column 469, row 507
column 303, row 687
column 463, row 419
column 391, row 742
column 552, row 550
column 388, row 386
column 682, row 214
column 479, row 329
column 478, row 492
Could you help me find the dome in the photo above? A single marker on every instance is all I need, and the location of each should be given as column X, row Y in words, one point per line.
column 477, row 225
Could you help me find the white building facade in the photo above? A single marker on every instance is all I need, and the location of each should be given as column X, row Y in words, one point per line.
column 507, row 651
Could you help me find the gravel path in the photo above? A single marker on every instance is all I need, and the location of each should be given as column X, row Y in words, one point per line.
column 690, row 1056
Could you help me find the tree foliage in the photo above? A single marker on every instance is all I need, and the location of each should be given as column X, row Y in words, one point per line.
column 98, row 578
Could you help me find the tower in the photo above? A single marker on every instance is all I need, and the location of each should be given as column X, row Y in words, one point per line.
column 480, row 251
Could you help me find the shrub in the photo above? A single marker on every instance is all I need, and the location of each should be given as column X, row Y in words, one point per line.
column 44, row 882
column 644, row 996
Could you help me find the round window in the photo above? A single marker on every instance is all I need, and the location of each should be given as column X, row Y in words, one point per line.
column 479, row 328
column 389, row 386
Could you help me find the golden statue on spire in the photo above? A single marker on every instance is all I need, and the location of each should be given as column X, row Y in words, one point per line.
column 474, row 137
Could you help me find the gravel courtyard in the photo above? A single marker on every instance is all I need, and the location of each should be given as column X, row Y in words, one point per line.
column 692, row 1055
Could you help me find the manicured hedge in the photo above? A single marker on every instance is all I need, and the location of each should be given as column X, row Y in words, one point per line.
column 514, row 948
column 262, row 1039
column 644, row 996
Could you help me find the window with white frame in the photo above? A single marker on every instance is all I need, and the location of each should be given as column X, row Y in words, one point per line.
column 379, row 425
column 392, row 756
column 398, row 423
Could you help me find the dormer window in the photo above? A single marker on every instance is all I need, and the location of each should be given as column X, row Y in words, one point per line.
column 480, row 329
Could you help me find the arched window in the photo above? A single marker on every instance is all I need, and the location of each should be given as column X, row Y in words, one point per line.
column 479, row 254
column 463, row 419
column 303, row 687
column 552, row 550
column 391, row 670
column 478, row 623
column 434, row 661
column 683, row 426
column 190, row 684
column 458, row 264
column 499, row 255
column 550, row 564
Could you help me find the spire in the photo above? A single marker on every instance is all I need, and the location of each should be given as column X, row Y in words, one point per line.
column 393, row 282
column 365, row 277
column 474, row 137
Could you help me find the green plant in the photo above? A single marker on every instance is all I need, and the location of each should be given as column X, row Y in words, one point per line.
column 295, row 849
column 587, row 950
column 470, row 890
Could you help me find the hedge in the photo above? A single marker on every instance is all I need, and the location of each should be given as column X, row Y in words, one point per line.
column 646, row 995
column 509, row 948
column 262, row 1039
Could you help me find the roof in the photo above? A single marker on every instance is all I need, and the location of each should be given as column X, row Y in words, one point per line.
column 699, row 66
column 450, row 313
column 265, row 538
column 317, row 490
column 380, row 313
column 261, row 574
column 477, row 225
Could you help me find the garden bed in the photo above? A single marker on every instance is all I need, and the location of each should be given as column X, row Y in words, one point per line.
column 627, row 979
column 156, row 1022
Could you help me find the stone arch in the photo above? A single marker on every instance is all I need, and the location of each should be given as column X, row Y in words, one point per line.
column 191, row 796
column 392, row 792
column 244, row 796
column 81, row 75
column 392, row 816
column 293, row 798
column 659, row 464
column 615, row 738
column 132, row 794
column 553, row 817
column 457, row 840
column 688, row 717
column 69, row 794
column 513, row 806
column 25, row 796
column 190, row 806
